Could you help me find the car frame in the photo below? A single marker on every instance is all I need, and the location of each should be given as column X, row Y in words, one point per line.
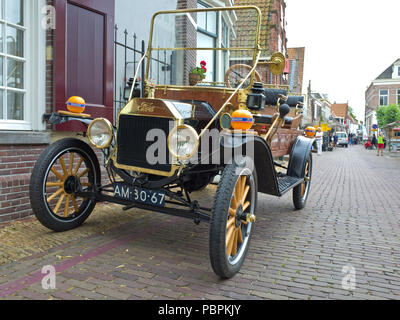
column 67, row 176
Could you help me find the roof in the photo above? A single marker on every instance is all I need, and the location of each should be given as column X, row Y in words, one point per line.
column 340, row 109
column 394, row 124
column 388, row 73
column 248, row 27
column 352, row 120
column 320, row 96
column 317, row 95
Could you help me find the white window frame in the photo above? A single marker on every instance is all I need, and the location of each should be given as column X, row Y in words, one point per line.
column 211, row 35
column 383, row 96
column 398, row 96
column 34, row 69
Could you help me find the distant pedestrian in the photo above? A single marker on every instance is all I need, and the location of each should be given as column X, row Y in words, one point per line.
column 335, row 140
column 381, row 144
column 351, row 139
column 318, row 137
column 374, row 141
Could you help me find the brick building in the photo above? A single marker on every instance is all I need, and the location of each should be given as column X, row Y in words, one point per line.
column 296, row 75
column 273, row 34
column 383, row 91
column 342, row 117
column 320, row 110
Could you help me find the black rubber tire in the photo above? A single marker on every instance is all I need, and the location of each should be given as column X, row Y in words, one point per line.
column 38, row 201
column 217, row 247
column 298, row 200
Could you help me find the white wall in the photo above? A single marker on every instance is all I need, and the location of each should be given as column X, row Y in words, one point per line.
column 134, row 16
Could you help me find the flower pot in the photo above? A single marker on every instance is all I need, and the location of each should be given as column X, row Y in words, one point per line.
column 194, row 79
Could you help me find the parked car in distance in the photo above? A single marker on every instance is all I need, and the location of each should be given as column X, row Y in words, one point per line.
column 343, row 139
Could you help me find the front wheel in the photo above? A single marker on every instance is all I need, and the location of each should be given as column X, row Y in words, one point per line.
column 63, row 169
column 232, row 220
column 301, row 192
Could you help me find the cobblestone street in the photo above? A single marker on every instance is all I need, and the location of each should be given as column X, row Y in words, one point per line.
column 352, row 219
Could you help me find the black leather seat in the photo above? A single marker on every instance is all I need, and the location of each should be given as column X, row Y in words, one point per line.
column 267, row 119
column 293, row 101
column 272, row 96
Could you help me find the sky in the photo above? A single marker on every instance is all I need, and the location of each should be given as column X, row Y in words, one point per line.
column 348, row 44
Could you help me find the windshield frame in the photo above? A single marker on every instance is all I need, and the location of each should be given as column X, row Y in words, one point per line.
column 256, row 49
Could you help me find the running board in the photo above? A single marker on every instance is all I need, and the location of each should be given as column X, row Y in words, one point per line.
column 286, row 183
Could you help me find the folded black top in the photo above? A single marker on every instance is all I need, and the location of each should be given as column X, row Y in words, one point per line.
column 272, row 96
column 293, row 101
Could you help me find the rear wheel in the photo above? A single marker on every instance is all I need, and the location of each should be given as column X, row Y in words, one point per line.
column 63, row 169
column 301, row 192
column 232, row 220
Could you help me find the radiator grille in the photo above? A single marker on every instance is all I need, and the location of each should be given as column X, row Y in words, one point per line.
column 132, row 144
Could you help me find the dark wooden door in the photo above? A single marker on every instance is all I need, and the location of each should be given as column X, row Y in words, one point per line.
column 84, row 57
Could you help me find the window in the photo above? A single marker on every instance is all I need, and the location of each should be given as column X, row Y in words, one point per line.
column 398, row 71
column 206, row 38
column 398, row 97
column 383, row 97
column 12, row 61
column 225, row 44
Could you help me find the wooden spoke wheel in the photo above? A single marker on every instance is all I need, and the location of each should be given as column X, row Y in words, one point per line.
column 65, row 168
column 232, row 220
column 301, row 192
column 237, row 73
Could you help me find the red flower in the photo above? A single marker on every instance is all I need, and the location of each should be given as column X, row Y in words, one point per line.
column 204, row 68
column 203, row 63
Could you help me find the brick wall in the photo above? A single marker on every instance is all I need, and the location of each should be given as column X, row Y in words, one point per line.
column 49, row 69
column 16, row 163
column 298, row 55
column 273, row 18
column 372, row 95
column 186, row 37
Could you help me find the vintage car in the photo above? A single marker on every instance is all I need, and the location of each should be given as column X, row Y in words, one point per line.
column 177, row 136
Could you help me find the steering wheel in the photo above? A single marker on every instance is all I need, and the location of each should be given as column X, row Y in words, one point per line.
column 237, row 73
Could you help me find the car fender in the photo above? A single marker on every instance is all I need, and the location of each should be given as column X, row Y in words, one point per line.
column 58, row 118
column 298, row 157
column 259, row 151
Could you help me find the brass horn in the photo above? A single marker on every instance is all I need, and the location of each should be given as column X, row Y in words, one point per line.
column 277, row 63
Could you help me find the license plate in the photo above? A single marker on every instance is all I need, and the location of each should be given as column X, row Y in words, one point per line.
column 151, row 197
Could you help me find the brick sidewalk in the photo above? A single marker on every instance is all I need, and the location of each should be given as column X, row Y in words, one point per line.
column 352, row 218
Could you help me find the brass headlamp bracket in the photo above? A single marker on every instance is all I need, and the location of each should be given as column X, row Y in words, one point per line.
column 281, row 98
column 149, row 90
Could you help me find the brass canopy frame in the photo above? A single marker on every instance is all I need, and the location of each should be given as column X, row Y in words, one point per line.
column 256, row 49
column 276, row 64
